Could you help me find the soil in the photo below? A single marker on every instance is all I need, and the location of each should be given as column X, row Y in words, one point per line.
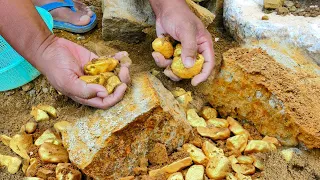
column 306, row 8
column 16, row 104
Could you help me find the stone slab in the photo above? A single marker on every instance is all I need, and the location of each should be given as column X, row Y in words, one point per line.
column 125, row 20
column 243, row 20
column 109, row 144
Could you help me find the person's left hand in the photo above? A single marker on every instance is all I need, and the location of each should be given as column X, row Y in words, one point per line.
column 62, row 63
column 184, row 26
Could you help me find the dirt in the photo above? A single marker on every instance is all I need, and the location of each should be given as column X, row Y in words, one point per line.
column 16, row 104
column 302, row 166
column 306, row 8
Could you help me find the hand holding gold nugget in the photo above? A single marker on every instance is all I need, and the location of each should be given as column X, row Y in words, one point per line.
column 104, row 71
column 164, row 46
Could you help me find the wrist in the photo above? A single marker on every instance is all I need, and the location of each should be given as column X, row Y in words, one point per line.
column 38, row 57
column 164, row 6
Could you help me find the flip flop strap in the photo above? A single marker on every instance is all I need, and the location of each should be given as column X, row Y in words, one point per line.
column 55, row 5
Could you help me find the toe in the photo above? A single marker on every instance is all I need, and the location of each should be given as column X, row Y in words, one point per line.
column 89, row 11
column 84, row 20
column 67, row 15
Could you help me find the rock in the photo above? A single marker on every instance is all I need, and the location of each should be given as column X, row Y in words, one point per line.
column 27, row 87
column 158, row 154
column 288, row 4
column 204, row 14
column 80, row 38
column 272, row 4
column 240, row 19
column 278, row 95
column 67, row 171
column 282, row 11
column 45, row 90
column 125, row 20
column 45, row 173
column 111, row 142
column 297, row 4
column 265, row 17
column 292, row 9
column 32, row 92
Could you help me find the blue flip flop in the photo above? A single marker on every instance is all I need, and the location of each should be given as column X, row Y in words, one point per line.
column 68, row 26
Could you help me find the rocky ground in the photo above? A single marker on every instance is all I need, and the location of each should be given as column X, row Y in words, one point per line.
column 298, row 8
column 16, row 104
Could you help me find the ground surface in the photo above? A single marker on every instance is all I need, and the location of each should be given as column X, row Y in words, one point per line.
column 16, row 105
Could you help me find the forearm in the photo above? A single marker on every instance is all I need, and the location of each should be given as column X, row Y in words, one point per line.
column 23, row 28
column 161, row 6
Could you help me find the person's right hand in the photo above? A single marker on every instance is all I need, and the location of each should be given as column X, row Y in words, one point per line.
column 62, row 62
column 178, row 21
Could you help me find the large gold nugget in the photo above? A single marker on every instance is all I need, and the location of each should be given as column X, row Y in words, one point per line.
column 112, row 83
column 100, row 65
column 97, row 79
column 163, row 46
column 179, row 70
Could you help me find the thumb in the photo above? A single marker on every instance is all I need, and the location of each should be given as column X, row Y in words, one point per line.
column 83, row 90
column 187, row 36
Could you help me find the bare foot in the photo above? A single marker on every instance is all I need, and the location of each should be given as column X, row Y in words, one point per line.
column 65, row 14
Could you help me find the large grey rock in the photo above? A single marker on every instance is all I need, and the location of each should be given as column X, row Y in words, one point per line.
column 243, row 20
column 125, row 19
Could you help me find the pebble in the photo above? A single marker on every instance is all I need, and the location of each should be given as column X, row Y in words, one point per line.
column 45, row 90
column 32, row 92
column 282, row 11
column 81, row 38
column 265, row 17
column 292, row 9
column 288, row 4
column 93, row 8
column 9, row 93
column 27, row 87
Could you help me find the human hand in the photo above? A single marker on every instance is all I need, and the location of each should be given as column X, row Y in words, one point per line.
column 180, row 23
column 62, row 62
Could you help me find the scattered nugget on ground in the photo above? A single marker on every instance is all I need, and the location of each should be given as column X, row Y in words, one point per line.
column 39, row 115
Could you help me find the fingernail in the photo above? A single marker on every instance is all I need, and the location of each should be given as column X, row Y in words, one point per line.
column 84, row 18
column 189, row 62
column 156, row 58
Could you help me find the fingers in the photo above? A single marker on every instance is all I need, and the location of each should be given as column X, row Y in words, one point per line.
column 159, row 29
column 83, row 90
column 104, row 103
column 125, row 63
column 187, row 36
column 124, row 59
column 160, row 60
column 124, row 75
column 206, row 49
column 170, row 74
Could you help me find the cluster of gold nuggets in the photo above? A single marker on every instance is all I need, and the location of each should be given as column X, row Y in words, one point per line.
column 102, row 71
column 206, row 159
column 164, row 46
column 49, row 145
